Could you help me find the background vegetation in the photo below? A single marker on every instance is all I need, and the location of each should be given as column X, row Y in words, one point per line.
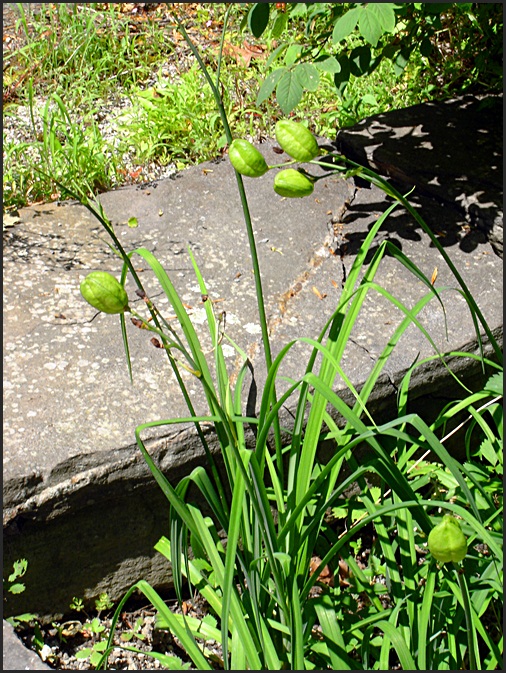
column 117, row 85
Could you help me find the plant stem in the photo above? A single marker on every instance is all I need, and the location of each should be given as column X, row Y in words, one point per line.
column 469, row 624
column 247, row 219
column 242, row 193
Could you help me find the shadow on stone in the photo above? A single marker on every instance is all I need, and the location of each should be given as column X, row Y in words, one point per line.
column 449, row 151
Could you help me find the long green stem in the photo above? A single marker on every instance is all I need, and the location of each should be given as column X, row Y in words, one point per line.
column 242, row 193
column 469, row 623
column 247, row 218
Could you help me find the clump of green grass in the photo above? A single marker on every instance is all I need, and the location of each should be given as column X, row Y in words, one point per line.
column 84, row 53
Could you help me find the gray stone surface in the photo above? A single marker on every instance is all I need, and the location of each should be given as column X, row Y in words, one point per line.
column 16, row 657
column 451, row 151
column 79, row 502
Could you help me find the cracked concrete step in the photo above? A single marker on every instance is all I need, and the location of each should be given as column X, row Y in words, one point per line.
column 79, row 502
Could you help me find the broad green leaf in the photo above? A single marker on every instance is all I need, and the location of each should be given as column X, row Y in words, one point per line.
column 279, row 24
column 401, row 60
column 101, row 646
column 26, row 617
column 360, row 61
column 495, row 384
column 288, row 92
column 276, row 53
column 307, row 76
column 369, row 26
column 133, row 222
column 298, row 9
column 385, row 14
column 345, row 25
column 488, row 452
column 292, row 54
column 269, row 84
column 369, row 99
column 258, row 18
column 329, row 64
column 342, row 77
column 83, row 654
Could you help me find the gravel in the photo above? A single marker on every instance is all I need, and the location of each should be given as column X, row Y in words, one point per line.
column 64, row 641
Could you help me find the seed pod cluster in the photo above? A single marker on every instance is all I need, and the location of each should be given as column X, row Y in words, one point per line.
column 297, row 141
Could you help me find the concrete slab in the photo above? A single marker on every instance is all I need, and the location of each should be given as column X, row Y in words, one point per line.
column 79, row 502
column 450, row 150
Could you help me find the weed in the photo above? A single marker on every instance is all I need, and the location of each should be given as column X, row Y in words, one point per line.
column 14, row 586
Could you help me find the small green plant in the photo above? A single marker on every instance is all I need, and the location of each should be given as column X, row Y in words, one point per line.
column 134, row 632
column 92, row 629
column 103, row 602
column 77, row 604
column 14, row 586
column 95, row 631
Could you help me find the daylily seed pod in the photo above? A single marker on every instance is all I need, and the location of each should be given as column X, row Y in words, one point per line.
column 296, row 140
column 292, row 183
column 246, row 159
column 104, row 292
column 447, row 542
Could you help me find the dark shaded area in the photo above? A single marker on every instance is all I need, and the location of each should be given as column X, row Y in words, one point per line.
column 451, row 152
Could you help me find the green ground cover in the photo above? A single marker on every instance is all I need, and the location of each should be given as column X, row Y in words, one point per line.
column 116, row 84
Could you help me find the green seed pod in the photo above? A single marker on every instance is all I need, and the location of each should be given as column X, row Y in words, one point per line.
column 292, row 183
column 296, row 140
column 104, row 292
column 447, row 542
column 246, row 159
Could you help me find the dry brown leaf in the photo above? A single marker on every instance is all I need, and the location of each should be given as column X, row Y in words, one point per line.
column 244, row 53
column 318, row 293
column 326, row 576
